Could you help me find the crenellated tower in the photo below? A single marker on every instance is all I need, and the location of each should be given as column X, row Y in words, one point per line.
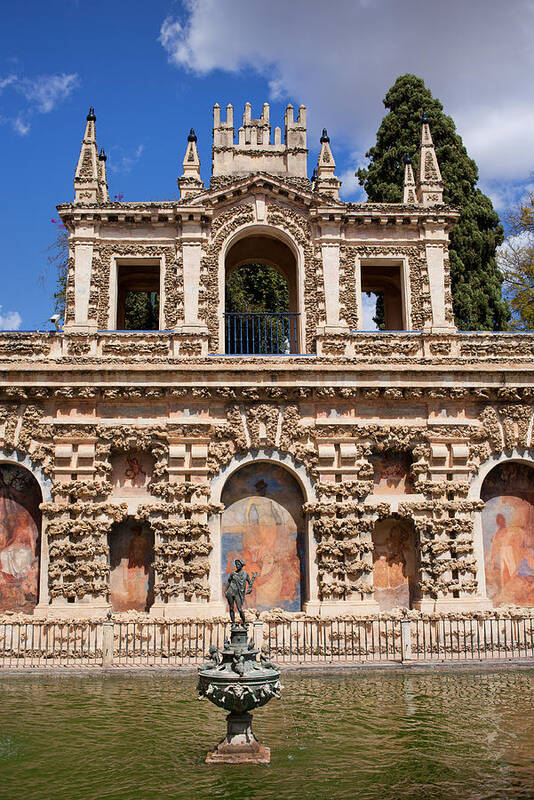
column 254, row 151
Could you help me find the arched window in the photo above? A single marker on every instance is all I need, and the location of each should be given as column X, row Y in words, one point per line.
column 20, row 538
column 261, row 298
column 508, row 534
column 263, row 525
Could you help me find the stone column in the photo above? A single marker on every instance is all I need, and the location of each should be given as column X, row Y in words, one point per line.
column 192, row 329
column 435, row 250
column 81, row 248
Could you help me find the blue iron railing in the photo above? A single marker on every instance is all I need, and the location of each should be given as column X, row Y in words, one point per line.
column 261, row 334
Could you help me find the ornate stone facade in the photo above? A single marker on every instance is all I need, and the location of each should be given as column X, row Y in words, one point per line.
column 145, row 427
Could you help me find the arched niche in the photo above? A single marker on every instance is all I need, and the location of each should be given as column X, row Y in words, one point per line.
column 20, row 538
column 263, row 524
column 131, row 562
column 395, row 564
column 508, row 533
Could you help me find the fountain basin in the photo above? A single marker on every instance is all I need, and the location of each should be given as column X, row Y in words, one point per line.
column 234, row 679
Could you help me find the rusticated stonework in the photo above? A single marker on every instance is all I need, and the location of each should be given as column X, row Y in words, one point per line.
column 388, row 436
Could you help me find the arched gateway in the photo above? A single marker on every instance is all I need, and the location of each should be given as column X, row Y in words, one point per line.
column 263, row 523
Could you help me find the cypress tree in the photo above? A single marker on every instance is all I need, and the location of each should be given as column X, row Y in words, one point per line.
column 475, row 278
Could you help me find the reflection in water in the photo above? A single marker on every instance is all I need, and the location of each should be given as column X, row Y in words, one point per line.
column 379, row 736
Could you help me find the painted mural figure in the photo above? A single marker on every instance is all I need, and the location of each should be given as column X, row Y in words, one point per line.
column 511, row 559
column 236, row 589
column 263, row 525
column 132, row 574
column 394, row 571
column 508, row 531
column 19, row 533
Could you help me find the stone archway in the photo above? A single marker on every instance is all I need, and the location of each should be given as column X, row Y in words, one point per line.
column 395, row 564
column 20, row 538
column 131, row 561
column 263, row 524
column 508, row 533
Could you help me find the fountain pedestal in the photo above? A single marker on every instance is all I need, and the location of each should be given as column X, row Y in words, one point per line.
column 234, row 679
column 239, row 746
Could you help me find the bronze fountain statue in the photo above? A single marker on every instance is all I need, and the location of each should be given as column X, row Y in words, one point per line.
column 235, row 679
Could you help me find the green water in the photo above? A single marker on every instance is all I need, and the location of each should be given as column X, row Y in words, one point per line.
column 384, row 735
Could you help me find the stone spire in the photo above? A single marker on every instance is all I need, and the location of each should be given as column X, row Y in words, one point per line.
column 90, row 185
column 325, row 180
column 190, row 183
column 102, row 177
column 429, row 183
column 409, row 194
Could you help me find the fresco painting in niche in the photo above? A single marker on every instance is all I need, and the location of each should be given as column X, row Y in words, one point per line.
column 20, row 527
column 131, row 473
column 131, row 580
column 394, row 565
column 508, row 534
column 263, row 524
column 392, row 473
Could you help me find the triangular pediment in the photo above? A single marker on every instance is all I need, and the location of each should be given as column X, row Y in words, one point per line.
column 297, row 190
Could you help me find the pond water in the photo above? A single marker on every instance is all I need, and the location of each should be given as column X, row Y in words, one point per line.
column 373, row 735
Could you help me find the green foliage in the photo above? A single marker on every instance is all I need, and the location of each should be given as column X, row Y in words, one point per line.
column 516, row 259
column 256, row 288
column 141, row 311
column 476, row 280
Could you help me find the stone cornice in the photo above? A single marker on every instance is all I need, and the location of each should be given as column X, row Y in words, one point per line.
column 385, row 359
column 199, row 207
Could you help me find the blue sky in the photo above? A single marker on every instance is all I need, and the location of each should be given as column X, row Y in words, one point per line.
column 153, row 71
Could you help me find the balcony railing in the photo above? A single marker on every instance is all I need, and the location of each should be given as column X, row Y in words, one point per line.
column 261, row 334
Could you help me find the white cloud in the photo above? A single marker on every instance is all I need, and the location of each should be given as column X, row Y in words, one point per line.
column 42, row 95
column 506, row 195
column 476, row 57
column 46, row 91
column 514, row 244
column 350, row 187
column 7, row 81
column 121, row 160
column 20, row 126
column 10, row 321
column 500, row 139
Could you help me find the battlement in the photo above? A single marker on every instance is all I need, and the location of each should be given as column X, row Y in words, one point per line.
column 254, row 151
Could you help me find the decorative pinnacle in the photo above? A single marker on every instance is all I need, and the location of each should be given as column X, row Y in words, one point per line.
column 192, row 136
column 424, row 118
column 102, row 155
column 91, row 115
column 325, row 137
column 407, row 159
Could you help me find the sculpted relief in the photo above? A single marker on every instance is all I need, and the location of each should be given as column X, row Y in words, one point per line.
column 131, row 474
column 391, row 473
